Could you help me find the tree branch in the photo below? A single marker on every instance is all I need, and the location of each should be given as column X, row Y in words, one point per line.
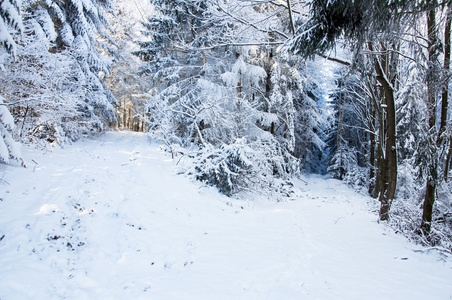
column 292, row 25
column 336, row 60
column 245, row 22
column 189, row 48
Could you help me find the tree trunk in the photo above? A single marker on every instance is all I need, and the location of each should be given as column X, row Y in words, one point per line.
column 448, row 162
column 372, row 152
column 427, row 213
column 381, row 166
column 388, row 126
column 391, row 150
column 268, row 86
column 445, row 96
column 372, row 165
column 432, row 169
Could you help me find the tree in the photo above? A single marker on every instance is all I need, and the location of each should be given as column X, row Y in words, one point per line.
column 435, row 134
column 9, row 149
column 46, row 90
column 213, row 93
column 9, row 16
column 75, row 26
column 373, row 25
column 362, row 23
column 309, row 143
column 347, row 138
column 125, row 82
column 54, row 87
column 385, row 66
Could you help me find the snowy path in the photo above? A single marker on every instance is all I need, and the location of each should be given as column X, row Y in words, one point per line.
column 109, row 219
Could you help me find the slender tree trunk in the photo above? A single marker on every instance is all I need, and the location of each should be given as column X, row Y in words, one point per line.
column 445, row 96
column 268, row 85
column 389, row 162
column 378, row 167
column 391, row 149
column 372, row 151
column 448, row 162
column 339, row 138
column 432, row 168
column 129, row 118
column 380, row 163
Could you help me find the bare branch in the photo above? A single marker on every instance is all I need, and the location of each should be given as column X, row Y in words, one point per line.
column 185, row 48
column 245, row 22
column 292, row 25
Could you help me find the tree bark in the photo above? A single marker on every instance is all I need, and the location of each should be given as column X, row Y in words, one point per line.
column 372, row 184
column 432, row 168
column 380, row 163
column 448, row 162
column 445, row 95
column 388, row 128
column 339, row 137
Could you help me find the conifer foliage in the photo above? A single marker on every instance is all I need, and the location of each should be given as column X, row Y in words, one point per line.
column 399, row 103
column 233, row 106
column 9, row 149
column 75, row 25
column 52, row 85
column 9, row 18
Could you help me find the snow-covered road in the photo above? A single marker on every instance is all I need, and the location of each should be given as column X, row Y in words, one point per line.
column 110, row 219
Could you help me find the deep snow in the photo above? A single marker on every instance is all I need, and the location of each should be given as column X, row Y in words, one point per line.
column 109, row 219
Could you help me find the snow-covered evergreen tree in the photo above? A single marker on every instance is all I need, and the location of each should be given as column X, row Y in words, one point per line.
column 53, row 87
column 212, row 96
column 308, row 131
column 9, row 19
column 46, row 90
column 80, row 27
column 9, row 149
column 347, row 133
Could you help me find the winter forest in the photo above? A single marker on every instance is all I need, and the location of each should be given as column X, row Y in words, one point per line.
column 245, row 95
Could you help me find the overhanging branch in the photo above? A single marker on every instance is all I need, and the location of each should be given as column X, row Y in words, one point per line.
column 336, row 60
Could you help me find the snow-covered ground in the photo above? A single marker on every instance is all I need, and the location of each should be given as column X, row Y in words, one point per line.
column 110, row 219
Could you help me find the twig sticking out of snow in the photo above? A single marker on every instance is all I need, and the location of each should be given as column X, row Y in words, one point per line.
column 442, row 250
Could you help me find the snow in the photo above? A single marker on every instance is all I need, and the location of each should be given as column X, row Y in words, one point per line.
column 109, row 219
column 5, row 116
